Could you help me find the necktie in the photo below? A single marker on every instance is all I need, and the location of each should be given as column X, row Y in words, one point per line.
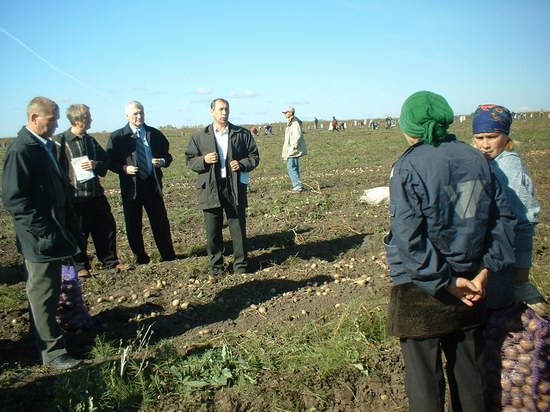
column 143, row 167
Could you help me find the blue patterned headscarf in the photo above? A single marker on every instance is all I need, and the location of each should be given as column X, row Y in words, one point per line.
column 490, row 118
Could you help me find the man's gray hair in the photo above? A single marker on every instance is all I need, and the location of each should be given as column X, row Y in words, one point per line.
column 131, row 105
column 41, row 105
column 77, row 113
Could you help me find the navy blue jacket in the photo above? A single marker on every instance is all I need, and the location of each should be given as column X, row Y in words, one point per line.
column 448, row 214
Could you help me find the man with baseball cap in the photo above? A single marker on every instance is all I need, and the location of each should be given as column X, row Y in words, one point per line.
column 294, row 147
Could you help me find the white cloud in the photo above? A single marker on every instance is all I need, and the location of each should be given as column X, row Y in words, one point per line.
column 202, row 91
column 523, row 109
column 246, row 94
column 300, row 102
column 201, row 101
column 146, row 91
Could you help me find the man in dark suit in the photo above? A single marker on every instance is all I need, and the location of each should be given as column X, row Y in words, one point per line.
column 138, row 153
column 223, row 154
column 35, row 191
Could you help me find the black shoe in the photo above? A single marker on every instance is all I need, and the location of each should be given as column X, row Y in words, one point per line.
column 142, row 260
column 64, row 362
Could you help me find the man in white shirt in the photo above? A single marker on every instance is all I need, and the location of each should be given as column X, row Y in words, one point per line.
column 223, row 154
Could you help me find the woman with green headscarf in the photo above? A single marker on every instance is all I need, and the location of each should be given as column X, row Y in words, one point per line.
column 442, row 211
column 426, row 116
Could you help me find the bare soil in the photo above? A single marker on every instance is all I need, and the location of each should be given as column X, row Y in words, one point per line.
column 306, row 265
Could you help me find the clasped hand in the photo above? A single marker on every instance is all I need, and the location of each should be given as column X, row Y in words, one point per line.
column 469, row 291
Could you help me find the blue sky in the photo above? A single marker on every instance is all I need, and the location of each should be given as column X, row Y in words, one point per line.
column 343, row 58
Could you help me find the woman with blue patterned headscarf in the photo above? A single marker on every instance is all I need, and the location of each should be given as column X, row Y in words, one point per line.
column 491, row 128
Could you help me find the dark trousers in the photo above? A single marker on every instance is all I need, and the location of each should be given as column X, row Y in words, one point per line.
column 97, row 219
column 424, row 380
column 43, row 285
column 236, row 220
column 147, row 197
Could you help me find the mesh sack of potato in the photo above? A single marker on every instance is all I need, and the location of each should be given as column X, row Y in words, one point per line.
column 72, row 314
column 518, row 370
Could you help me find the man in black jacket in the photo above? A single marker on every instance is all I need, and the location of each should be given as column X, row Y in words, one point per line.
column 223, row 154
column 137, row 153
column 35, row 192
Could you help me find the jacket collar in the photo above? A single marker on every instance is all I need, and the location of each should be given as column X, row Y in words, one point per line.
column 128, row 130
column 69, row 135
column 231, row 127
column 27, row 137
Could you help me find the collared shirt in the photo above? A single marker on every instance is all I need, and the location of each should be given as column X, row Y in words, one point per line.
column 222, row 142
column 148, row 153
column 40, row 138
column 77, row 146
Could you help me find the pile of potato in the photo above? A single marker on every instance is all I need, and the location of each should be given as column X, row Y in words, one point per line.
column 72, row 314
column 518, row 369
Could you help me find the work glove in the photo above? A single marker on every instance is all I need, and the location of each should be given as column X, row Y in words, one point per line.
column 531, row 296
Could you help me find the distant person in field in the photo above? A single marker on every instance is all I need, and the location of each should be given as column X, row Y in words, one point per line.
column 315, row 123
column 450, row 226
column 268, row 129
column 254, row 131
column 491, row 129
column 335, row 124
column 223, row 155
column 35, row 192
column 79, row 152
column 389, row 122
column 138, row 153
column 294, row 147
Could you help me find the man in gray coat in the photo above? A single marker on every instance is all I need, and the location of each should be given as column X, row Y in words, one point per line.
column 223, row 154
column 36, row 193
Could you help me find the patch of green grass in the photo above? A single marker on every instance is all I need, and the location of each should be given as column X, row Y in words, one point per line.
column 301, row 354
column 11, row 296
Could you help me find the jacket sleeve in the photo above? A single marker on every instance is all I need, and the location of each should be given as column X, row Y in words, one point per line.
column 17, row 187
column 194, row 157
column 518, row 187
column 419, row 257
column 102, row 161
column 500, row 235
column 116, row 163
column 164, row 146
column 251, row 161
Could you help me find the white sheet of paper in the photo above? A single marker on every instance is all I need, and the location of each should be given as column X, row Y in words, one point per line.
column 81, row 174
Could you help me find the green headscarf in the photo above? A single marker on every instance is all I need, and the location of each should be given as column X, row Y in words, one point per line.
column 427, row 116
